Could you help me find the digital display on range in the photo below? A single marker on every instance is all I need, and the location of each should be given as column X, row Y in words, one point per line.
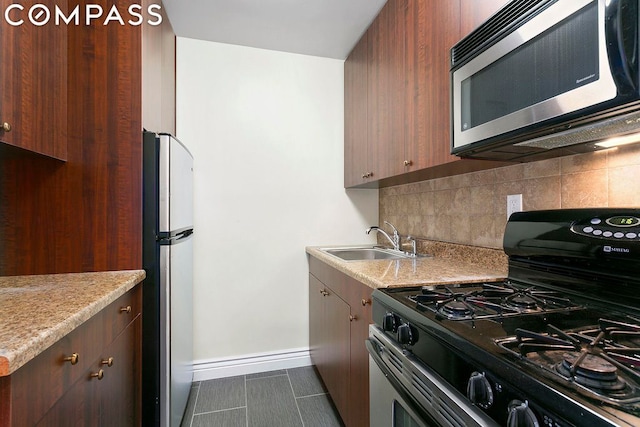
column 623, row 221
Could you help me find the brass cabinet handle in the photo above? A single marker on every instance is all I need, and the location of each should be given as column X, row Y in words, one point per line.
column 5, row 127
column 364, row 302
column 126, row 309
column 408, row 162
column 352, row 318
column 99, row 375
column 73, row 358
column 108, row 362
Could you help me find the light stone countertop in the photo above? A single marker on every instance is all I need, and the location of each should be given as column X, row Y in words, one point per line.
column 37, row 311
column 447, row 263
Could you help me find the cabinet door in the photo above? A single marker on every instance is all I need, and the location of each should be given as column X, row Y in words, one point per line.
column 329, row 341
column 432, row 29
column 120, row 387
column 360, row 303
column 338, row 349
column 317, row 327
column 357, row 163
column 386, row 81
column 475, row 12
column 33, row 75
column 80, row 406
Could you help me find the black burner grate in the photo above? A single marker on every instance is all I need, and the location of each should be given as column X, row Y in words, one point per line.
column 490, row 300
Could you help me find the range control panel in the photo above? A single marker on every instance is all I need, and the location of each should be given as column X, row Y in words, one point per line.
column 618, row 227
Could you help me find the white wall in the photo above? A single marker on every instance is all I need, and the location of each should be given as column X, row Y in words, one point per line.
column 266, row 131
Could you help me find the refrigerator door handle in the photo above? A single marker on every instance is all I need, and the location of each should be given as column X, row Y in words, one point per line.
column 173, row 237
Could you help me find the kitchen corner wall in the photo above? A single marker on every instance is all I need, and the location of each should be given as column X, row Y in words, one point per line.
column 266, row 131
column 471, row 208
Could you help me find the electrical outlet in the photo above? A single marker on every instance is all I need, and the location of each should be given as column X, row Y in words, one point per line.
column 514, row 204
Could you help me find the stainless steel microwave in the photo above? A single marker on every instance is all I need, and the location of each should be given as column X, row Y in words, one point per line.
column 543, row 78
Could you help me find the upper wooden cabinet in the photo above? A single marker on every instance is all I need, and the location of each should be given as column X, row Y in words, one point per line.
column 358, row 159
column 159, row 76
column 475, row 12
column 432, row 27
column 374, row 100
column 397, row 108
column 386, row 89
column 33, row 72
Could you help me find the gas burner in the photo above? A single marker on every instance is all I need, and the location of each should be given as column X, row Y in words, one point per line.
column 603, row 361
column 453, row 305
column 522, row 300
column 489, row 300
column 591, row 371
column 456, row 309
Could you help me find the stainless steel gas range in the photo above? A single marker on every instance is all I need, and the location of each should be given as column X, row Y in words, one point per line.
column 556, row 344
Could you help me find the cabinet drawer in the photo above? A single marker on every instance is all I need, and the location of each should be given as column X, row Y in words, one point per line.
column 121, row 313
column 37, row 385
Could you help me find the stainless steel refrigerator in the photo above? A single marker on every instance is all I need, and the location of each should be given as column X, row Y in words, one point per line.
column 167, row 322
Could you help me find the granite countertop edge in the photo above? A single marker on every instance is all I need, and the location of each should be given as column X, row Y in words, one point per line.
column 29, row 327
column 446, row 264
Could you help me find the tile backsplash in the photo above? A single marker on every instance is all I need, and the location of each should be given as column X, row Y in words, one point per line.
column 471, row 208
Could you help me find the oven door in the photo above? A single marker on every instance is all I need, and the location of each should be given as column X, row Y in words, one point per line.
column 388, row 407
column 405, row 392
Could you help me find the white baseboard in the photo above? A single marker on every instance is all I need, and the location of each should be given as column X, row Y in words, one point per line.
column 250, row 364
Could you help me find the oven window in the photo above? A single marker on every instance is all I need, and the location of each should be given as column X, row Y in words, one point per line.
column 401, row 417
column 558, row 60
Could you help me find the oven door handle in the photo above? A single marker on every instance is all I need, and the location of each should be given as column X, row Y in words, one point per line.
column 408, row 401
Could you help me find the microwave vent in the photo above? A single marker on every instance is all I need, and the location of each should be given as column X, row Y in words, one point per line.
column 496, row 27
column 597, row 131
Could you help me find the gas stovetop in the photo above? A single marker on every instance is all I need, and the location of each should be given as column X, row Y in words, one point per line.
column 562, row 330
column 590, row 349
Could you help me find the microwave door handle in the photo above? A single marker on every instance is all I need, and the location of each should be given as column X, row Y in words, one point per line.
column 623, row 64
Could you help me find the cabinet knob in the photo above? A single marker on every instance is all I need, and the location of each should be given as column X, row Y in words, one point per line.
column 126, row 309
column 6, row 127
column 73, row 358
column 352, row 318
column 364, row 302
column 408, row 162
column 99, row 375
column 324, row 293
column 108, row 362
column 367, row 175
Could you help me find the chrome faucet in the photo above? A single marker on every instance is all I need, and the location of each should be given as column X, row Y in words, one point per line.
column 395, row 240
column 413, row 242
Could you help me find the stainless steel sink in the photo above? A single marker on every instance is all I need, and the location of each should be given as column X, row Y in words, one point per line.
column 364, row 253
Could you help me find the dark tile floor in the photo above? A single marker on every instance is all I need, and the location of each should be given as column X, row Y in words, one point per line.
column 291, row 397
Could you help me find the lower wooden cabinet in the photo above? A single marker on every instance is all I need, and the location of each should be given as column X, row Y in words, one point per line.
column 339, row 318
column 91, row 377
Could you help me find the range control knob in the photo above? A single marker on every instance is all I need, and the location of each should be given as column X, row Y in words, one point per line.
column 390, row 323
column 407, row 335
column 520, row 415
column 479, row 390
